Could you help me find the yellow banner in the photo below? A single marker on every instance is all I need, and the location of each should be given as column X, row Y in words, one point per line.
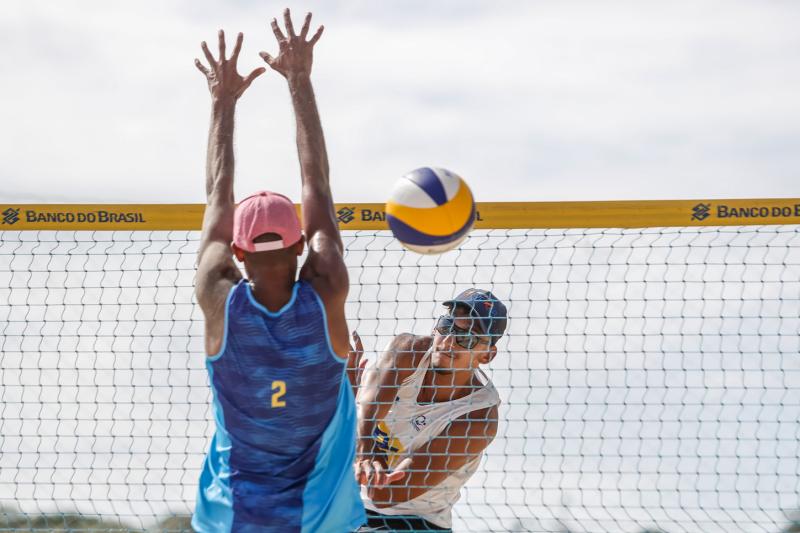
column 371, row 216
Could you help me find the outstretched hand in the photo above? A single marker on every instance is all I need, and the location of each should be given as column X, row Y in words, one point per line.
column 295, row 53
column 356, row 363
column 224, row 82
column 373, row 473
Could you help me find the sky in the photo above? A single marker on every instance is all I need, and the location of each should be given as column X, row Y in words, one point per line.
column 526, row 100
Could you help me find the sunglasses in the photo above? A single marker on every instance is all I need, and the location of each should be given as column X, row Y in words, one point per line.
column 446, row 325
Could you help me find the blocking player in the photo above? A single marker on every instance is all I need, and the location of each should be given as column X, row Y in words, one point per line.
column 282, row 454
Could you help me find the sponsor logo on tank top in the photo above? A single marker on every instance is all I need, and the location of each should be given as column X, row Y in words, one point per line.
column 419, row 422
column 384, row 440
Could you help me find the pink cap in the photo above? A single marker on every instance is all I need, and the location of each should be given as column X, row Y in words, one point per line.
column 265, row 212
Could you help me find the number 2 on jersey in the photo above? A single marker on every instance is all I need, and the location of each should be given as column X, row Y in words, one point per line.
column 280, row 389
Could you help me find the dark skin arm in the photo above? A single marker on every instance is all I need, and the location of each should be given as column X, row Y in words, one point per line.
column 324, row 267
column 377, row 390
column 356, row 363
column 216, row 271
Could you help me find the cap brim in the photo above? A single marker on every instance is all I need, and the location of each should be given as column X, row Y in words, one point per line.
column 479, row 319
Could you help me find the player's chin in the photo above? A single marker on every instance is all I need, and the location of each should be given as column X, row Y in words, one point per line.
column 442, row 362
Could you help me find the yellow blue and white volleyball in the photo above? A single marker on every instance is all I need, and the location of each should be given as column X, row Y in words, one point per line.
column 430, row 210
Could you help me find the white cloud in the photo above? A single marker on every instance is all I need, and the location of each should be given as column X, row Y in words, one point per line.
column 546, row 100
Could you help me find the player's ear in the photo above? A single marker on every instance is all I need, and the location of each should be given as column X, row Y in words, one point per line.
column 238, row 253
column 300, row 245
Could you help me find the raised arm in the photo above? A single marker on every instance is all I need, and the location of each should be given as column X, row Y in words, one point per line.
column 216, row 271
column 324, row 267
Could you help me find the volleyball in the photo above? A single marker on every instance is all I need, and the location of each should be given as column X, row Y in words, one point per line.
column 430, row 210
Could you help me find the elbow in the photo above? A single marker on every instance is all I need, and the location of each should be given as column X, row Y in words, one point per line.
column 218, row 193
column 316, row 180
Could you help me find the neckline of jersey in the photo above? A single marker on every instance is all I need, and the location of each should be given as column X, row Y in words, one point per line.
column 266, row 311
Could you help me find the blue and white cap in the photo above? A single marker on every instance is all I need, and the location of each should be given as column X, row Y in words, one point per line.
column 489, row 312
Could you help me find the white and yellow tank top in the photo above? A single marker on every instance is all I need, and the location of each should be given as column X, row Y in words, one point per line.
column 409, row 425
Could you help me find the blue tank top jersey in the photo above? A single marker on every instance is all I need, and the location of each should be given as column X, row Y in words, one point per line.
column 281, row 458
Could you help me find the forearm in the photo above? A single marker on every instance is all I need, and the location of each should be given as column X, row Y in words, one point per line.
column 368, row 418
column 220, row 158
column 424, row 471
column 375, row 399
column 418, row 480
column 310, row 139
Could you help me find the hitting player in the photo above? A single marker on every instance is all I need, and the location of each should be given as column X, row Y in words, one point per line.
column 426, row 413
column 281, row 458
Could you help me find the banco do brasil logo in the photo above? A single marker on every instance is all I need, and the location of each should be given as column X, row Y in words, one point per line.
column 10, row 216
column 701, row 211
column 345, row 214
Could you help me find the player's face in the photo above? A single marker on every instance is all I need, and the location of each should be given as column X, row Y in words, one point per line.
column 458, row 343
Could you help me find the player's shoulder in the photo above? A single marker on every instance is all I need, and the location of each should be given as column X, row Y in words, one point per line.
column 412, row 343
column 406, row 350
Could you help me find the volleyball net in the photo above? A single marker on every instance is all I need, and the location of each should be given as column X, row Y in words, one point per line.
column 649, row 375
